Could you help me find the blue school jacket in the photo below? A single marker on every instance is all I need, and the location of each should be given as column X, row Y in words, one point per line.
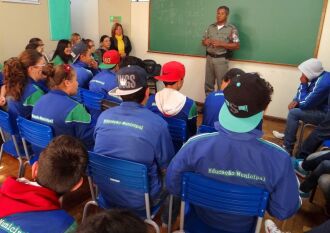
column 212, row 106
column 315, row 94
column 188, row 113
column 65, row 116
column 84, row 74
column 134, row 133
column 23, row 107
column 243, row 159
column 54, row 221
column 104, row 82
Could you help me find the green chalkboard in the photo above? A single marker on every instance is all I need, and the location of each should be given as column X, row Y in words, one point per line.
column 272, row 31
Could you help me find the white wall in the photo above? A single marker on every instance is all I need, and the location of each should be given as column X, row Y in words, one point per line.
column 85, row 18
column 284, row 79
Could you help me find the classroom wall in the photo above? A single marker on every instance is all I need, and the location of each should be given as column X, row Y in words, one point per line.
column 109, row 8
column 85, row 18
column 284, row 79
column 19, row 23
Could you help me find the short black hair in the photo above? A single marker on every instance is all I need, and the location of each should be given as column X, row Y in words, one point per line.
column 232, row 73
column 62, row 164
column 131, row 61
column 113, row 221
column 169, row 83
column 135, row 97
column 226, row 8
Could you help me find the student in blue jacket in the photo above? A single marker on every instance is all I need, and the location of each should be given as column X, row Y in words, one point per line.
column 310, row 105
column 23, row 77
column 132, row 132
column 169, row 102
column 215, row 100
column 106, row 80
column 62, row 113
column 84, row 64
column 237, row 154
column 34, row 206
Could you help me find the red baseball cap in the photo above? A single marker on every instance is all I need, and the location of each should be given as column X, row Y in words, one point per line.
column 110, row 59
column 173, row 71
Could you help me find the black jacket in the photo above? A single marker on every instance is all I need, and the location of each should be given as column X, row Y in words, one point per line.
column 127, row 43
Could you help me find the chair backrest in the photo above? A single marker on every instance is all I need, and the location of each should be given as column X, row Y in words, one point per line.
column 5, row 123
column 107, row 170
column 326, row 143
column 178, row 131
column 91, row 100
column 205, row 129
column 224, row 197
column 35, row 133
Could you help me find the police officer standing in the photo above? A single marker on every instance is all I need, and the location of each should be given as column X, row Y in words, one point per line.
column 218, row 39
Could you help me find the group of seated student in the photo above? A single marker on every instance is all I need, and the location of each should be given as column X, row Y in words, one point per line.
column 136, row 131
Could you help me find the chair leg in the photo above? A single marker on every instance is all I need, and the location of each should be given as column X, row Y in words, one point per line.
column 301, row 135
column 22, row 166
column 90, row 183
column 153, row 224
column 258, row 226
column 169, row 224
column 86, row 208
column 1, row 153
column 311, row 198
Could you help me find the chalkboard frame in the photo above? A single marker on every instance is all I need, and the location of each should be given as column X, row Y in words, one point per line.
column 315, row 54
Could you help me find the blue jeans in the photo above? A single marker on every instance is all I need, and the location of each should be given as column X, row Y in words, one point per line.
column 316, row 138
column 295, row 115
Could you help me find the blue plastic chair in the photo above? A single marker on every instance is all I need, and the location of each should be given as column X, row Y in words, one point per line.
column 326, row 144
column 178, row 131
column 37, row 134
column 105, row 171
column 205, row 129
column 9, row 146
column 222, row 197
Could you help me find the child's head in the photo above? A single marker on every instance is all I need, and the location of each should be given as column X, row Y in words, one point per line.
column 232, row 73
column 105, row 42
column 62, row 77
column 113, row 221
column 75, row 38
column 82, row 52
column 63, row 50
column 61, row 165
column 17, row 70
column 172, row 75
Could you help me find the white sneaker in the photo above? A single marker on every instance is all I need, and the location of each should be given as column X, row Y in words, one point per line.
column 278, row 134
column 270, row 227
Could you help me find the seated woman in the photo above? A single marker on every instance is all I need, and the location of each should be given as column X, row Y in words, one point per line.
column 119, row 41
column 23, row 80
column 62, row 54
column 104, row 46
column 62, row 113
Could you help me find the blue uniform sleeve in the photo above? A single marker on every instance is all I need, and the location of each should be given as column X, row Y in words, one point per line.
column 182, row 162
column 317, row 94
column 165, row 148
column 302, row 91
column 85, row 132
column 284, row 201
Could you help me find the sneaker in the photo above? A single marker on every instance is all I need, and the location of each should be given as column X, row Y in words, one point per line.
column 299, row 170
column 270, row 227
column 278, row 135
